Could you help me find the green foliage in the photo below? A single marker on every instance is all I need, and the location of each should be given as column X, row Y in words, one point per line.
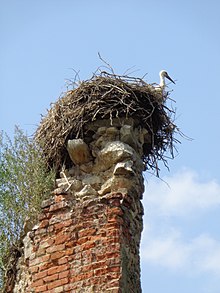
column 24, row 183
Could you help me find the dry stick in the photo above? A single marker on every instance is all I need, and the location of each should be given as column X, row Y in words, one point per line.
column 67, row 181
column 106, row 63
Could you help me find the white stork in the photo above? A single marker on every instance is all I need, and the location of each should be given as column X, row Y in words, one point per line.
column 163, row 74
column 162, row 85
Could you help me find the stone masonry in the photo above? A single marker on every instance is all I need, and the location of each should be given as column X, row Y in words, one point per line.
column 88, row 235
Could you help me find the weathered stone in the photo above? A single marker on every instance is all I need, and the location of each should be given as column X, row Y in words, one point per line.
column 124, row 168
column 144, row 136
column 78, row 151
column 113, row 153
column 112, row 134
column 76, row 185
column 106, row 187
column 93, row 180
column 87, row 190
column 47, row 202
column 127, row 136
column 101, row 131
column 86, row 168
column 27, row 246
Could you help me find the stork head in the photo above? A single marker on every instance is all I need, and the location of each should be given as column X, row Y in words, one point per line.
column 163, row 74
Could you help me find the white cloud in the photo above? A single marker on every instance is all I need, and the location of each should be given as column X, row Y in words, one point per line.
column 207, row 250
column 183, row 193
column 198, row 255
column 166, row 251
column 164, row 243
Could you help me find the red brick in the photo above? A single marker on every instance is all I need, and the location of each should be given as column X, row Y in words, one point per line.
column 99, row 264
column 39, row 275
column 62, row 260
column 88, row 223
column 112, row 240
column 113, row 218
column 88, row 245
column 87, row 232
column 52, row 271
column 68, row 223
column 51, row 278
column 99, row 280
column 113, row 255
column 76, row 226
column 44, row 223
column 112, row 225
column 101, row 271
column 82, row 240
column 100, row 256
column 96, row 238
column 113, row 233
column 57, row 255
column 45, row 258
column 39, row 260
column 71, row 243
column 45, row 266
column 47, row 243
column 61, row 238
column 69, row 251
column 59, row 198
column 40, row 289
column 58, row 269
column 63, row 267
column 38, row 283
column 116, row 211
column 58, row 283
column 34, row 269
column 58, row 206
column 114, row 269
column 55, row 248
column 81, row 277
column 93, row 266
column 64, row 274
column 101, row 232
column 59, row 226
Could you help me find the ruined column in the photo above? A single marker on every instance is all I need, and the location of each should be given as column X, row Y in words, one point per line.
column 99, row 137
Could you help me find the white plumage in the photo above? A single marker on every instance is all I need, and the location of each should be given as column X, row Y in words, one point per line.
column 161, row 88
column 163, row 74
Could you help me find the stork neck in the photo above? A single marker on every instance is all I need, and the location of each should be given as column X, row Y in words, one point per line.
column 162, row 82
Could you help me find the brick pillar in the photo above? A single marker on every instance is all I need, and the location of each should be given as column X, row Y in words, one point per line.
column 88, row 235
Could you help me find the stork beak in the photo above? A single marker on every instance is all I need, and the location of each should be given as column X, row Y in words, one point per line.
column 168, row 77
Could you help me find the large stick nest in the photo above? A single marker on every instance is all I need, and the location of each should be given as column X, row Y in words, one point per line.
column 108, row 96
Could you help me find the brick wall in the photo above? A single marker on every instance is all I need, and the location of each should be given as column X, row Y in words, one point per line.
column 90, row 246
column 88, row 235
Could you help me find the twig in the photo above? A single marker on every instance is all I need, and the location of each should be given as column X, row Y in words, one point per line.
column 109, row 66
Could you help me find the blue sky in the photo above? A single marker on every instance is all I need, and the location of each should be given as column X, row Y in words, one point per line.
column 42, row 40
